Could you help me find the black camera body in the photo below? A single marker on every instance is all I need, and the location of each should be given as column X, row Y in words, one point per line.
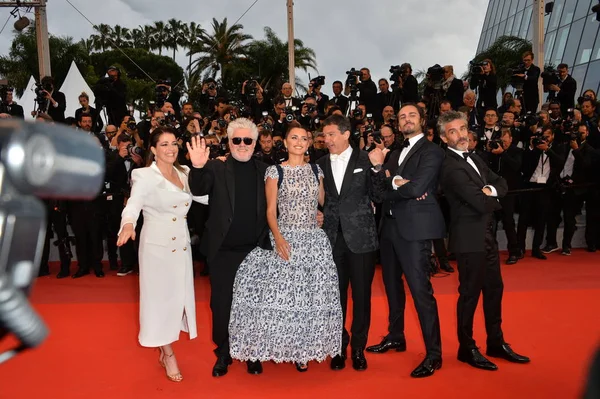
column 581, row 99
column 290, row 113
column 537, row 139
column 435, row 76
column 530, row 119
column 318, row 81
column 550, row 76
column 476, row 68
column 251, row 87
column 133, row 149
column 516, row 81
column 131, row 124
column 160, row 96
column 351, row 80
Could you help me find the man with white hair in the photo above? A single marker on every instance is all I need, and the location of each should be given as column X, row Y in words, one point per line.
column 236, row 225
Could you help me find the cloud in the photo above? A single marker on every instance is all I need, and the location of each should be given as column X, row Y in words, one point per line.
column 344, row 34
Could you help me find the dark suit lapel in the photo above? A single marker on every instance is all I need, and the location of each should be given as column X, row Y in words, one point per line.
column 230, row 181
column 329, row 181
column 465, row 165
column 482, row 168
column 347, row 182
column 411, row 151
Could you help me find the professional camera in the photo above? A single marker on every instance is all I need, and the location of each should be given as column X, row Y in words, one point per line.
column 290, row 113
column 212, row 86
column 581, row 99
column 396, row 72
column 353, row 78
column 517, row 81
column 531, row 119
column 217, row 150
column 279, row 152
column 495, row 143
column 435, row 76
column 251, row 87
column 131, row 124
column 133, row 149
column 550, row 76
column 357, row 112
column 40, row 95
column 377, row 137
column 574, row 133
column 537, row 139
column 310, row 108
column 318, row 81
column 476, row 68
column 169, row 120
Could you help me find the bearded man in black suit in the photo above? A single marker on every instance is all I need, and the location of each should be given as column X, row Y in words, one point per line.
column 472, row 190
column 411, row 218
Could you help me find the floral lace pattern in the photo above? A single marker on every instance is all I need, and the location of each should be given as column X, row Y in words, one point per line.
column 289, row 311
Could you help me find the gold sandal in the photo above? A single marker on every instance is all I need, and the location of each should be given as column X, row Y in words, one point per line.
column 175, row 377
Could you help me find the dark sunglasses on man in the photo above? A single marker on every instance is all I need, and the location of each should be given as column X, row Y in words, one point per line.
column 238, row 140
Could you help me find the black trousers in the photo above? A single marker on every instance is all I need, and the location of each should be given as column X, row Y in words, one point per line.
column 569, row 204
column 535, row 211
column 479, row 272
column 86, row 221
column 592, row 218
column 411, row 259
column 223, row 269
column 112, row 213
column 356, row 270
column 507, row 216
column 57, row 222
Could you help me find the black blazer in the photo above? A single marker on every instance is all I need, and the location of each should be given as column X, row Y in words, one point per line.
column 57, row 113
column 487, row 86
column 470, row 208
column 416, row 220
column 566, row 95
column 455, row 93
column 530, row 89
column 556, row 160
column 217, row 180
column 351, row 208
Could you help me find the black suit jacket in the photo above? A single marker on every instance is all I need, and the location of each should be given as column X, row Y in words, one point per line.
column 566, row 95
column 217, row 180
column 508, row 165
column 57, row 113
column 470, row 208
column 455, row 93
column 342, row 102
column 416, row 220
column 530, row 89
column 410, row 90
column 556, row 160
column 351, row 208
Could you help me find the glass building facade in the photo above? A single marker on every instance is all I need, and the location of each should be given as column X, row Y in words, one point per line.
column 571, row 34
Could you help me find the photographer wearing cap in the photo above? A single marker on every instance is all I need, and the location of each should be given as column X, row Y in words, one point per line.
column 9, row 108
column 54, row 102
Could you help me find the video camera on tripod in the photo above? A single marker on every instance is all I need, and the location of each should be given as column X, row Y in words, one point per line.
column 353, row 78
column 40, row 91
column 517, row 81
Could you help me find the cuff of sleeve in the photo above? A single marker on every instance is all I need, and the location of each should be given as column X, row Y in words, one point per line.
column 123, row 223
column 493, row 190
column 394, row 186
column 203, row 199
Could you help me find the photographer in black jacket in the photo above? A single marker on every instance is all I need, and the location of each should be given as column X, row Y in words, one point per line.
column 483, row 79
column 531, row 77
column 51, row 102
column 563, row 88
column 111, row 93
column 367, row 90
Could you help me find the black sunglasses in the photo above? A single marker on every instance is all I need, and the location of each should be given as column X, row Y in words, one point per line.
column 238, row 140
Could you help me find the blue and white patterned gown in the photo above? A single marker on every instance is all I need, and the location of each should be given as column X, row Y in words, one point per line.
column 289, row 311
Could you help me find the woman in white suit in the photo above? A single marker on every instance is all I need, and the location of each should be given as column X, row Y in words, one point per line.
column 167, row 304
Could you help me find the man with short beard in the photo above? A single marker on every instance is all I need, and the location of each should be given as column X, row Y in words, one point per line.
column 236, row 224
column 472, row 190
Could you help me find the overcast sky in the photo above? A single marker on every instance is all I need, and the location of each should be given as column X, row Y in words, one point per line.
column 343, row 33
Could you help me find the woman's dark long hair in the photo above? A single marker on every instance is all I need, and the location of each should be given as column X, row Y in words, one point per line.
column 154, row 137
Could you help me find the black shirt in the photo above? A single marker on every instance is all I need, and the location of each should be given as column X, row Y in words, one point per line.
column 242, row 231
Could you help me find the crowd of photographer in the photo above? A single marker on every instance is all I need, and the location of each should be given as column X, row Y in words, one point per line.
column 548, row 157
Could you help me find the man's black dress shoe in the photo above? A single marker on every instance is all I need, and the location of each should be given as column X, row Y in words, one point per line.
column 445, row 266
column 254, row 367
column 220, row 367
column 62, row 274
column 338, row 362
column 538, row 254
column 512, row 259
column 359, row 362
column 427, row 368
column 80, row 273
column 387, row 344
column 505, row 352
column 99, row 273
column 474, row 358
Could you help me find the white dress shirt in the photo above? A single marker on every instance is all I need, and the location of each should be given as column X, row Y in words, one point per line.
column 472, row 163
column 542, row 170
column 412, row 141
column 339, row 163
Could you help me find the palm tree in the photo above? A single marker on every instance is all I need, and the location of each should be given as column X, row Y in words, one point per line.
column 505, row 53
column 160, row 36
column 268, row 59
column 142, row 37
column 100, row 39
column 120, row 36
column 220, row 50
column 174, row 35
column 190, row 39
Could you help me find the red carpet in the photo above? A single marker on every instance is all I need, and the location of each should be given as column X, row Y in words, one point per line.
column 550, row 314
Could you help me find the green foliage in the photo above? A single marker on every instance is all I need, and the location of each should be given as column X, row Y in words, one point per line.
column 505, row 53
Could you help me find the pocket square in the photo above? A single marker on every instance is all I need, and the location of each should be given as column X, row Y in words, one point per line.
column 357, row 170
